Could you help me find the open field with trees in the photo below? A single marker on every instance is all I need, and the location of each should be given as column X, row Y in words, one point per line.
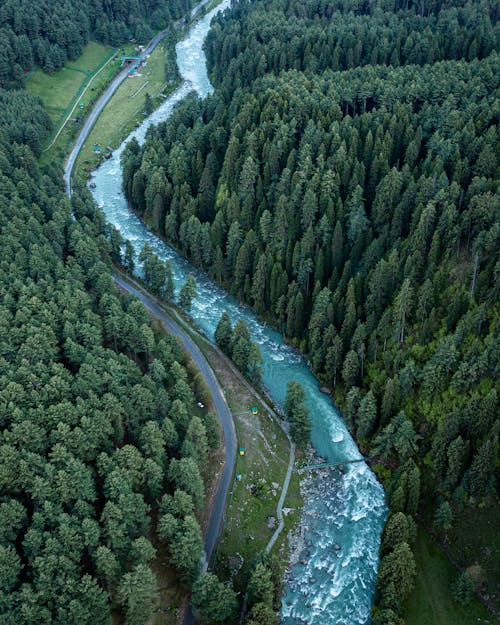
column 135, row 97
column 78, row 82
column 263, row 467
column 49, row 34
column 254, row 497
column 59, row 89
column 430, row 601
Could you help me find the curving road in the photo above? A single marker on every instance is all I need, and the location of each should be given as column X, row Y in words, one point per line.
column 219, row 502
column 104, row 99
column 216, row 519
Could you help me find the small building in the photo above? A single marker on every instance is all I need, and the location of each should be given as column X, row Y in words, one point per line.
column 242, row 451
column 97, row 149
column 254, row 410
column 180, row 23
column 238, row 477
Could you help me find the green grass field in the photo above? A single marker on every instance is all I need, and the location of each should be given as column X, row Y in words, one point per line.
column 63, row 89
column 431, row 602
column 254, row 499
column 245, row 533
column 55, row 99
column 126, row 109
column 91, row 57
column 58, row 90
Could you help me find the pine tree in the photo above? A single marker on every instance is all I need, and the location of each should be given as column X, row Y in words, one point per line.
column 367, row 416
column 350, row 369
column 297, row 414
column 224, row 334
column 188, row 293
column 443, row 517
column 212, row 600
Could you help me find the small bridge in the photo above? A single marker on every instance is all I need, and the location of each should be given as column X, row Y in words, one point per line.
column 329, row 465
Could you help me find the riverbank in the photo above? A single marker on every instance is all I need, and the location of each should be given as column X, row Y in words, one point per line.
column 269, row 455
column 251, row 512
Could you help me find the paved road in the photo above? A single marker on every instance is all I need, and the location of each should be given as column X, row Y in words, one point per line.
column 97, row 110
column 216, row 520
column 103, row 100
column 219, row 503
column 87, row 126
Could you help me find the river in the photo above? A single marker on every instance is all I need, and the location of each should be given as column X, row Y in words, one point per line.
column 343, row 514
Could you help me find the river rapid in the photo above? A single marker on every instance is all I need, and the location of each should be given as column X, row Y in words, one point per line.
column 333, row 581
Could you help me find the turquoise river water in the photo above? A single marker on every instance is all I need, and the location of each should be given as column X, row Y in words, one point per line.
column 343, row 515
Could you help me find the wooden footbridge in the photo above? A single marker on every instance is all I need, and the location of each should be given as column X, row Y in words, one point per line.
column 330, row 465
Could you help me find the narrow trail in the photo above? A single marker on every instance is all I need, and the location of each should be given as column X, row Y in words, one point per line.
column 224, row 415
column 283, row 425
column 284, row 491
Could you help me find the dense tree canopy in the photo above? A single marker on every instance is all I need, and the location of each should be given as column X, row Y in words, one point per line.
column 312, row 36
column 95, row 407
column 49, row 33
column 343, row 181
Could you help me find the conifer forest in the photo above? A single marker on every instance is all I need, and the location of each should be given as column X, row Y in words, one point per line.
column 342, row 182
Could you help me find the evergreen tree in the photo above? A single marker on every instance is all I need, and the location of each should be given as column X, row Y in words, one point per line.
column 224, row 334
column 462, row 589
column 187, row 293
column 137, row 593
column 212, row 600
column 297, row 414
column 443, row 517
column 398, row 568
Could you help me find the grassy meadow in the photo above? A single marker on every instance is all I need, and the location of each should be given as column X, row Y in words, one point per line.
column 126, row 108
column 431, row 602
column 63, row 89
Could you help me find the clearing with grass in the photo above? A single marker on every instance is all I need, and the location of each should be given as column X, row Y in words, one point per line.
column 63, row 89
column 430, row 602
column 129, row 105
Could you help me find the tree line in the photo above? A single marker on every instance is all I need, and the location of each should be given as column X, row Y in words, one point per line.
column 315, row 36
column 47, row 34
column 358, row 212
column 101, row 444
